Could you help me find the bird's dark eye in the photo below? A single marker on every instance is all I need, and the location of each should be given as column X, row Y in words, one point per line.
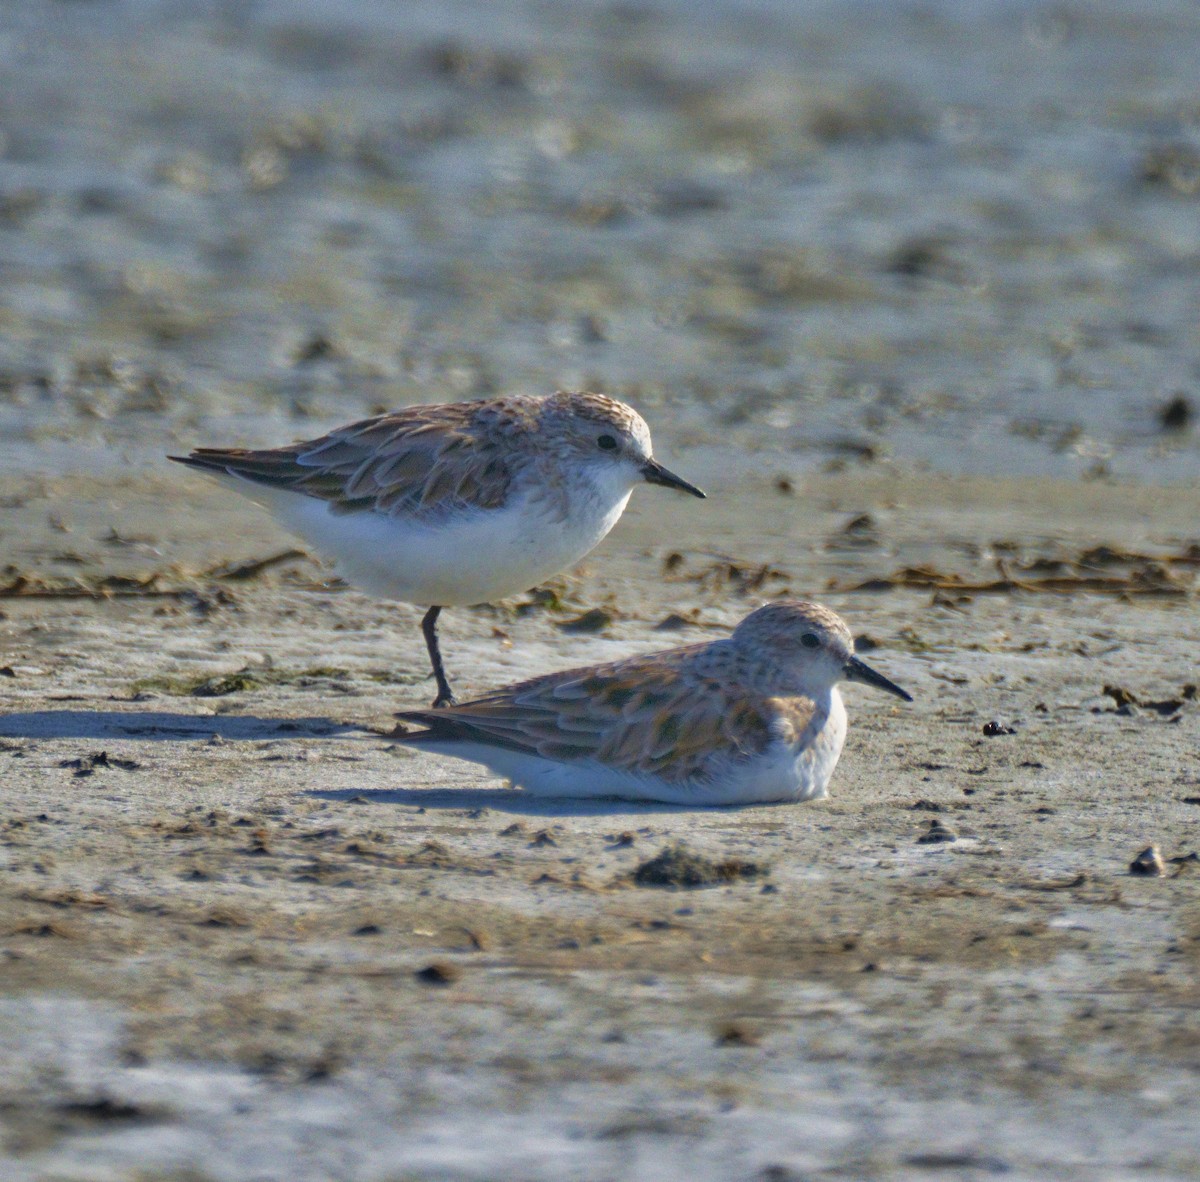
column 606, row 443
column 810, row 640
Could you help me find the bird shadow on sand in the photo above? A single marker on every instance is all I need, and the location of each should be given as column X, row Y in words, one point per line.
column 508, row 800
column 161, row 725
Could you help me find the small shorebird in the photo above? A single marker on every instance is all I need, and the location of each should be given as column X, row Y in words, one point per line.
column 754, row 717
column 456, row 503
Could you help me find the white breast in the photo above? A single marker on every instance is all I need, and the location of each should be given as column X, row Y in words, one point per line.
column 472, row 557
column 816, row 758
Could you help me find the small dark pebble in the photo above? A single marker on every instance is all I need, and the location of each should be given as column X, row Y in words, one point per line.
column 861, row 525
column 367, row 929
column 221, row 918
column 543, row 837
column 1148, row 863
column 104, row 1108
column 993, row 728
column 923, row 258
column 328, row 1064
column 672, row 623
column 438, row 973
column 777, row 1173
column 734, row 1034
column 596, row 620
column 1177, row 414
column 317, row 347
column 937, row 832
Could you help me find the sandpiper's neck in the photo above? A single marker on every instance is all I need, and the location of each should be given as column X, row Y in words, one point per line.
column 590, row 489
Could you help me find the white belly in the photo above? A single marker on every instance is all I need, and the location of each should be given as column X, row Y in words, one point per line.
column 472, row 558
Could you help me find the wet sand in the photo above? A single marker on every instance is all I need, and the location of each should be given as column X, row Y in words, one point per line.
column 910, row 287
column 247, row 936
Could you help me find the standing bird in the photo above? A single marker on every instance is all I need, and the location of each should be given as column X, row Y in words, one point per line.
column 455, row 503
column 751, row 718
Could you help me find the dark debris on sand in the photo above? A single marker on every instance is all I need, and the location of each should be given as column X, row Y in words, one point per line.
column 677, row 866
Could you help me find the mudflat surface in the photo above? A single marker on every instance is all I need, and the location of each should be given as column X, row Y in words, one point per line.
column 908, row 285
column 255, row 938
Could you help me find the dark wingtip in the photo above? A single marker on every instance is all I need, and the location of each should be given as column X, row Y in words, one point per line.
column 421, row 717
column 435, row 722
column 196, row 460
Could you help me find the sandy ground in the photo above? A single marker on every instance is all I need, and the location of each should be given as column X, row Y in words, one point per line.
column 256, row 939
column 829, row 250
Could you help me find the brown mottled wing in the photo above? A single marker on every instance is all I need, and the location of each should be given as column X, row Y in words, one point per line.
column 423, row 459
column 650, row 715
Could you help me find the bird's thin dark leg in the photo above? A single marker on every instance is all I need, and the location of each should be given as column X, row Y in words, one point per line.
column 429, row 628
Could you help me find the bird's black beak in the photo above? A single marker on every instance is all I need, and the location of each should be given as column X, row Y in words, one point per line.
column 654, row 473
column 856, row 670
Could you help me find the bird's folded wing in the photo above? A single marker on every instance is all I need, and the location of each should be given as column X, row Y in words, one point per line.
column 648, row 715
column 423, row 459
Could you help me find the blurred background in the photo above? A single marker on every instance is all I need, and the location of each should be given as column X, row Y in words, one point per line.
column 955, row 233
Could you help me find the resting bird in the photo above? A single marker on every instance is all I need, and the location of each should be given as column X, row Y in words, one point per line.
column 751, row 718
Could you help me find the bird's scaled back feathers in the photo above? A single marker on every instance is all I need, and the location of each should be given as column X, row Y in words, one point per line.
column 420, row 459
column 663, row 715
column 423, row 460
